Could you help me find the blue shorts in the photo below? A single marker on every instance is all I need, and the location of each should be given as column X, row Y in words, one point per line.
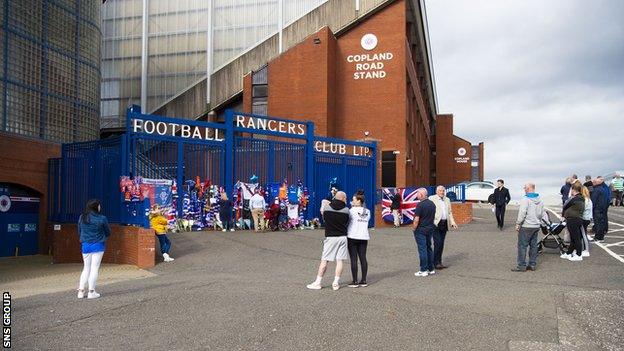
column 93, row 247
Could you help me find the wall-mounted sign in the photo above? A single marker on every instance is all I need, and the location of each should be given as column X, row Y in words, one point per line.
column 369, row 66
column 341, row 149
column 271, row 125
column 5, row 203
column 57, row 227
column 462, row 156
column 175, row 129
column 368, row 41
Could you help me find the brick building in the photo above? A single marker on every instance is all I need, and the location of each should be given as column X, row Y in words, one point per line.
column 457, row 160
column 369, row 81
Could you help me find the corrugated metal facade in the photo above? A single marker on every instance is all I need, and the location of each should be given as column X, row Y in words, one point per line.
column 177, row 45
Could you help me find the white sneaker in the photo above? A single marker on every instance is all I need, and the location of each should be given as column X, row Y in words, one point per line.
column 585, row 253
column 421, row 273
column 224, row 230
column 81, row 294
column 167, row 258
column 575, row 258
column 565, row 256
column 314, row 286
column 335, row 286
column 432, row 272
column 232, row 229
column 93, row 295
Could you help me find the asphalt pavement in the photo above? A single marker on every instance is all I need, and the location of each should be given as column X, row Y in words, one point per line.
column 246, row 291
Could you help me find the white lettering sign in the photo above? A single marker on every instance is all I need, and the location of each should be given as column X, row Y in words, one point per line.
column 341, row 149
column 175, row 129
column 269, row 125
column 369, row 66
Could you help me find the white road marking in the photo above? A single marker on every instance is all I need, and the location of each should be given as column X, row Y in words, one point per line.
column 602, row 246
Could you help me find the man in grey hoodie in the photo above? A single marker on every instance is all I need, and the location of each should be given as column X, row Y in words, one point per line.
column 528, row 225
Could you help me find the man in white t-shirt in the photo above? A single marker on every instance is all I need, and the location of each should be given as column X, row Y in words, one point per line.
column 257, row 205
column 443, row 217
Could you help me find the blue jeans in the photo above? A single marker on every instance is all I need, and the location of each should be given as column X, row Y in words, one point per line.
column 165, row 244
column 527, row 237
column 423, row 237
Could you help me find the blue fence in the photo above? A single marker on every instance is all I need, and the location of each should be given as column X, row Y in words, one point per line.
column 166, row 148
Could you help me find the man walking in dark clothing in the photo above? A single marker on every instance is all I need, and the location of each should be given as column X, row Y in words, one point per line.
column 501, row 199
column 424, row 217
column 600, row 200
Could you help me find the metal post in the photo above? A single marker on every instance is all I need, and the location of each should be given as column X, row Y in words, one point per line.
column 180, row 177
column 144, row 39
column 229, row 151
column 271, row 163
column 5, row 68
column 374, row 185
column 209, row 49
column 45, row 66
column 280, row 25
column 309, row 167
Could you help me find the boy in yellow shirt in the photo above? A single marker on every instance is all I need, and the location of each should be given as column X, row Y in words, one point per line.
column 158, row 222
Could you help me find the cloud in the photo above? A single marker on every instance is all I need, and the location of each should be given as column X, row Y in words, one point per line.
column 540, row 82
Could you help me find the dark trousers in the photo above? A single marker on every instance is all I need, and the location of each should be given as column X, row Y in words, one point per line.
column 500, row 215
column 226, row 220
column 600, row 225
column 584, row 234
column 575, row 226
column 617, row 195
column 165, row 244
column 439, row 234
column 357, row 249
column 423, row 238
column 527, row 237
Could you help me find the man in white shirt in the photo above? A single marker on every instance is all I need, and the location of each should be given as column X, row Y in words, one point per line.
column 257, row 205
column 443, row 217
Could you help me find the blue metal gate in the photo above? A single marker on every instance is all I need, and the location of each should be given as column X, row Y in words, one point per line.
column 157, row 147
column 351, row 172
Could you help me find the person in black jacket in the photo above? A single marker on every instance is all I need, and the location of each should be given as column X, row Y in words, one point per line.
column 336, row 217
column 501, row 199
column 573, row 213
column 600, row 208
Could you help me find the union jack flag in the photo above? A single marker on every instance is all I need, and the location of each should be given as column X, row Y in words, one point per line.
column 408, row 204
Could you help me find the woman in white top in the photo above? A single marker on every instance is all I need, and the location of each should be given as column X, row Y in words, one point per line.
column 357, row 238
column 587, row 218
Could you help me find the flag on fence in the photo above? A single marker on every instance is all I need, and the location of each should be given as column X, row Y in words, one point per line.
column 408, row 204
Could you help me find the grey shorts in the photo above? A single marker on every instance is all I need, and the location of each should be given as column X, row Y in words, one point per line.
column 335, row 248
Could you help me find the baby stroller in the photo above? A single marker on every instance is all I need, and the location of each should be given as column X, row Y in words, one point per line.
column 551, row 239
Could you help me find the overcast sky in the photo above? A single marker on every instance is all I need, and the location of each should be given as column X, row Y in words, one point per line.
column 540, row 82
